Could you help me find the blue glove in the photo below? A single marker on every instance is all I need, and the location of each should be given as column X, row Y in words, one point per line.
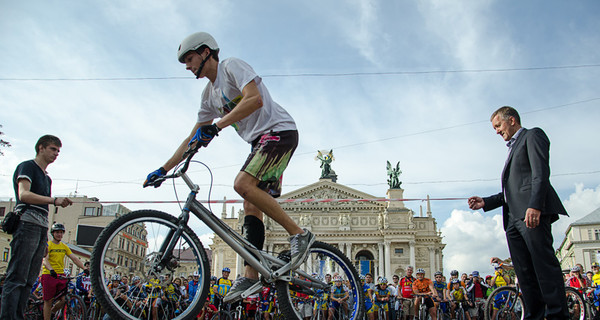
column 153, row 176
column 205, row 134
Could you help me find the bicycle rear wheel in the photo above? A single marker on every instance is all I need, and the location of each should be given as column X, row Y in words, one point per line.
column 323, row 259
column 504, row 303
column 575, row 304
column 150, row 231
column 74, row 308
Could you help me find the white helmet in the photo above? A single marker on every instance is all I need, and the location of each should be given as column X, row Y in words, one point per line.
column 194, row 42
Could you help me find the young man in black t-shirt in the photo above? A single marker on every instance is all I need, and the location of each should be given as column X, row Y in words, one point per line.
column 32, row 190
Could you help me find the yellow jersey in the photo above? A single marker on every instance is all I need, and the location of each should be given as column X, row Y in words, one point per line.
column 56, row 257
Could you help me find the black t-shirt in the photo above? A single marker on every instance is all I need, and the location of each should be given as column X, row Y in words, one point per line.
column 40, row 182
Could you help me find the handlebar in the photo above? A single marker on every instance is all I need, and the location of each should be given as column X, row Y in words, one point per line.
column 187, row 157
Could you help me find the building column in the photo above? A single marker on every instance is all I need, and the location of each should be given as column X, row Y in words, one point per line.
column 381, row 270
column 412, row 253
column 432, row 260
column 349, row 252
column 387, row 258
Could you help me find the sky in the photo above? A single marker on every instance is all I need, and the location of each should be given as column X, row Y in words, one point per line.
column 413, row 82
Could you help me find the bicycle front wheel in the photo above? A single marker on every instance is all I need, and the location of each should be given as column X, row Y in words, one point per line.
column 74, row 308
column 324, row 259
column 575, row 304
column 133, row 245
column 504, row 303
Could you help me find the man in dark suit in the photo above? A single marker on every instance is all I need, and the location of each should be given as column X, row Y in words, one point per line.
column 529, row 206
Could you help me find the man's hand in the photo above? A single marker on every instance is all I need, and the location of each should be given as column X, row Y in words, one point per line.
column 205, row 134
column 62, row 202
column 532, row 217
column 153, row 176
column 475, row 203
column 53, row 274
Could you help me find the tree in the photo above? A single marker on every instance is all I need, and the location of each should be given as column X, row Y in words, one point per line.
column 3, row 143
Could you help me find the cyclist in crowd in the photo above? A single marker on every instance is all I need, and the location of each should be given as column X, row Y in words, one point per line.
column 212, row 287
column 368, row 289
column 500, row 278
column 405, row 293
column 223, row 286
column 476, row 291
column 339, row 298
column 458, row 295
column 454, row 275
column 576, row 280
column 382, row 297
column 252, row 305
column 423, row 288
column 83, row 284
column 442, row 291
column 267, row 301
column 208, row 311
column 393, row 303
column 55, row 260
column 236, row 96
column 193, row 286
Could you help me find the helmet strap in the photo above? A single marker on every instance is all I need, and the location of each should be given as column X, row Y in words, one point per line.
column 202, row 64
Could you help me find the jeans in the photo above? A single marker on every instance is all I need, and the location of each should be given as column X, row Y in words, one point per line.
column 28, row 247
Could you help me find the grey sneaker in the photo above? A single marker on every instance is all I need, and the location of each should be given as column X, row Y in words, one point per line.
column 239, row 286
column 300, row 243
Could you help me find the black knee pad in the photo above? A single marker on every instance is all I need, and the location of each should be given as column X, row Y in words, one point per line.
column 254, row 230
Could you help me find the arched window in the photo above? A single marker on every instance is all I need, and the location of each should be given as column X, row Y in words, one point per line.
column 364, row 262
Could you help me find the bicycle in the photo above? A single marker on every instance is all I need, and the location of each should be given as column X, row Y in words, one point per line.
column 576, row 304
column 73, row 308
column 505, row 303
column 423, row 312
column 590, row 300
column 167, row 236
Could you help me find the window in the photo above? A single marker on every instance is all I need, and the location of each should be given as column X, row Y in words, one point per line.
column 90, row 211
column 590, row 234
column 2, row 210
column 597, row 234
column 5, row 255
column 399, row 251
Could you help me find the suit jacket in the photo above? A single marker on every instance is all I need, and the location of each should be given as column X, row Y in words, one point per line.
column 526, row 180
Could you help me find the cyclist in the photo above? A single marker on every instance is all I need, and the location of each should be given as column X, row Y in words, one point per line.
column 382, row 297
column 208, row 311
column 223, row 286
column 576, row 280
column 475, row 291
column 596, row 283
column 368, row 288
column 458, row 294
column 442, row 292
column 267, row 299
column 454, row 275
column 136, row 291
column 83, row 284
column 339, row 296
column 405, row 293
column 118, row 292
column 55, row 260
column 237, row 97
column 212, row 289
column 424, row 287
column 500, row 277
column 193, row 286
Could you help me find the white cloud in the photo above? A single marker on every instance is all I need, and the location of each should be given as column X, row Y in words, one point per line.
column 471, row 239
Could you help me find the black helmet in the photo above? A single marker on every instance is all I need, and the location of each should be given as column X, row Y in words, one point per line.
column 57, row 227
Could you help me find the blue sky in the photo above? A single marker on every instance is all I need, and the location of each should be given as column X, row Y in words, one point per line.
column 408, row 81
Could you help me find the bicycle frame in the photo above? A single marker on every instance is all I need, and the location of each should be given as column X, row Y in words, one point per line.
column 265, row 262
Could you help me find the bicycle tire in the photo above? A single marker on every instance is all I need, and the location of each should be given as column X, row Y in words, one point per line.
column 576, row 304
column 33, row 310
column 74, row 308
column 222, row 315
column 500, row 300
column 324, row 258
column 156, row 225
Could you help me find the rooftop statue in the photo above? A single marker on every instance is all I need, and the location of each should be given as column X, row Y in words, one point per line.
column 393, row 174
column 326, row 160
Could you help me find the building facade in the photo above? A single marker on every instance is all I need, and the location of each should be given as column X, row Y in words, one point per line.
column 379, row 236
column 581, row 243
column 83, row 221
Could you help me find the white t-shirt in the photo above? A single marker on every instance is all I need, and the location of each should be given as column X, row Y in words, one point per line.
column 220, row 97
